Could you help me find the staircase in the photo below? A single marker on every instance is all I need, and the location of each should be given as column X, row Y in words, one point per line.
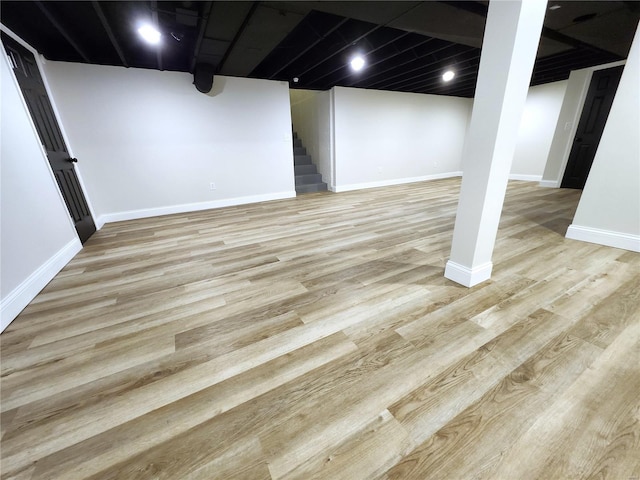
column 307, row 177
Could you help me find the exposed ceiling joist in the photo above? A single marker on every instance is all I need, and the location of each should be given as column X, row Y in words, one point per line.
column 154, row 16
column 406, row 44
column 368, row 54
column 45, row 10
column 201, row 29
column 107, row 28
column 308, row 47
column 239, row 33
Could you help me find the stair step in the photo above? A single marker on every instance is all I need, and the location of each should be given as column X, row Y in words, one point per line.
column 308, row 179
column 302, row 160
column 304, row 169
column 311, row 187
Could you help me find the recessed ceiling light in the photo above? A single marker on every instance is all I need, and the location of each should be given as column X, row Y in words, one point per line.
column 149, row 34
column 555, row 7
column 357, row 63
column 448, row 75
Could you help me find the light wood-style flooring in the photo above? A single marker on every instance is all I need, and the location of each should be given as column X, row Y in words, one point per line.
column 316, row 338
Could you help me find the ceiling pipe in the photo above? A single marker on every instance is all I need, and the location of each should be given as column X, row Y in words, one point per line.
column 208, row 7
column 62, row 31
column 110, row 34
column 238, row 34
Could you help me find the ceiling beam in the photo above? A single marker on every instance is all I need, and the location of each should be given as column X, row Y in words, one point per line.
column 110, row 34
column 469, row 6
column 238, row 34
column 203, row 27
column 573, row 42
column 47, row 13
column 154, row 18
column 549, row 33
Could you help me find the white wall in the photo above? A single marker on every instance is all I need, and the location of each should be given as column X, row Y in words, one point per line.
column 389, row 137
column 311, row 116
column 609, row 208
column 149, row 143
column 383, row 138
column 37, row 237
column 536, row 130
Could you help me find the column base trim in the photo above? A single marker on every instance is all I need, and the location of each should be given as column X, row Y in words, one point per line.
column 549, row 183
column 468, row 276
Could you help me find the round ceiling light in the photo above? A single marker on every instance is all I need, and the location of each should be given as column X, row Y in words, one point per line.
column 448, row 75
column 149, row 34
column 357, row 63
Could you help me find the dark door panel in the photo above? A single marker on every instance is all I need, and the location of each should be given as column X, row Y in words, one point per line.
column 37, row 100
column 595, row 112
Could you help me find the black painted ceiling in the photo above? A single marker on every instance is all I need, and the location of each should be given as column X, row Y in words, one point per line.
column 407, row 45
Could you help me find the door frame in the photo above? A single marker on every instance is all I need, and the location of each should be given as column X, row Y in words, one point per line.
column 39, row 61
column 607, row 95
column 574, row 120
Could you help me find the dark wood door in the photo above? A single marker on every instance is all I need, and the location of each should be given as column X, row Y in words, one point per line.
column 26, row 70
column 602, row 89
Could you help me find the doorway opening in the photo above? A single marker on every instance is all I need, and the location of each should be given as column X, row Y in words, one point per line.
column 593, row 118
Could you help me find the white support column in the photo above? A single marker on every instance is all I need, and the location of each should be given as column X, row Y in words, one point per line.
column 511, row 38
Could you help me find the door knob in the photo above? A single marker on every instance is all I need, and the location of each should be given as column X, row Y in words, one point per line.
column 72, row 160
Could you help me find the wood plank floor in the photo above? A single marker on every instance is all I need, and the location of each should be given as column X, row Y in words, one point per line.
column 316, row 338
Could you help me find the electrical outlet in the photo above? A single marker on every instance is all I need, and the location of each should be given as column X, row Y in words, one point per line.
column 212, row 186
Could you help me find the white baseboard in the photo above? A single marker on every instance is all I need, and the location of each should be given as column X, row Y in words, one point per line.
column 609, row 238
column 549, row 184
column 20, row 297
column 191, row 207
column 394, row 181
column 525, row 178
column 468, row 276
